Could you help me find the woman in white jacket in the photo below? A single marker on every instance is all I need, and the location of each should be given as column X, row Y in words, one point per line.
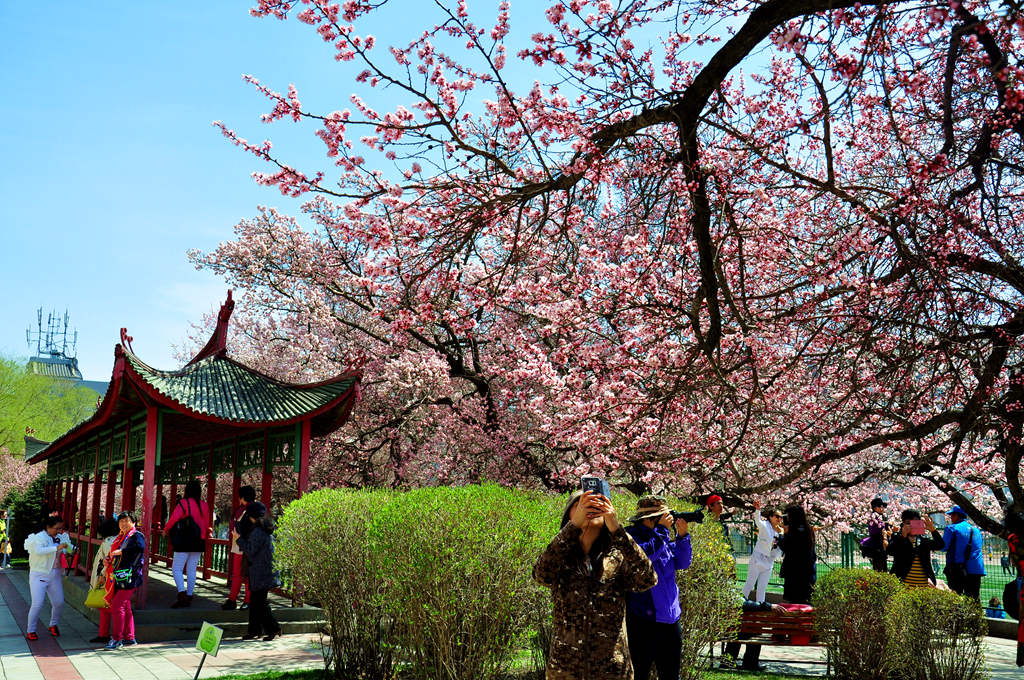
column 44, row 577
column 766, row 551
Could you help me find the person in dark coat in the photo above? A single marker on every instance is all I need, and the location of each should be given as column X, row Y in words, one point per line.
column 124, row 574
column 254, row 535
column 912, row 555
column 798, row 558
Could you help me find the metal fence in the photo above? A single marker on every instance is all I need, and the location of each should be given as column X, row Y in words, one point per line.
column 845, row 552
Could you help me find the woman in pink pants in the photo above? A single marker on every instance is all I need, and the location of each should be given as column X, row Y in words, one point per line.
column 124, row 575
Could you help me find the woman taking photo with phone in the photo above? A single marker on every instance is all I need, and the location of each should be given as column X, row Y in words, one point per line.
column 589, row 566
column 911, row 549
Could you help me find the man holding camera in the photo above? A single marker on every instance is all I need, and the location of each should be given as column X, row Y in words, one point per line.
column 652, row 617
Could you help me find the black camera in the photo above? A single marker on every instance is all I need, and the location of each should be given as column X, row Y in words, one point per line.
column 694, row 517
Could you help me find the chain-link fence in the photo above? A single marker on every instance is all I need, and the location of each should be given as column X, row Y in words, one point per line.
column 845, row 552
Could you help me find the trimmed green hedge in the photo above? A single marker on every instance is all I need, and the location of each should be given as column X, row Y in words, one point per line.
column 437, row 581
column 876, row 629
column 936, row 635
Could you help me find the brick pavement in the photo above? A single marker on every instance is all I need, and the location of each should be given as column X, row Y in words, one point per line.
column 74, row 658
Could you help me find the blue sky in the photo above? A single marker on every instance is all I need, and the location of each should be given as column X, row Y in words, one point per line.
column 111, row 167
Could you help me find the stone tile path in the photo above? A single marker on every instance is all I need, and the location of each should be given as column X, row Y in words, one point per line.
column 72, row 657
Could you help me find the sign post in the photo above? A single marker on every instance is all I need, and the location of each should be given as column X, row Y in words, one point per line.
column 208, row 643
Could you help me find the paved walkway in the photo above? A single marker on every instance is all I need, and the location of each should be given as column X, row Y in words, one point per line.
column 72, row 657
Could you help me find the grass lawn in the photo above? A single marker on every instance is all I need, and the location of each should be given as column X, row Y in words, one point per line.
column 311, row 674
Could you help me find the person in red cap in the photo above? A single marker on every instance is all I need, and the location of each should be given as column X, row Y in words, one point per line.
column 714, row 508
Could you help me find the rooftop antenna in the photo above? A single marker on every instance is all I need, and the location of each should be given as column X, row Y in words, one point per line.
column 55, row 340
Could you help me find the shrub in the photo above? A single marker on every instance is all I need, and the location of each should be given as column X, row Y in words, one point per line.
column 27, row 512
column 322, row 538
column 435, row 581
column 936, row 635
column 462, row 560
column 707, row 596
column 850, row 607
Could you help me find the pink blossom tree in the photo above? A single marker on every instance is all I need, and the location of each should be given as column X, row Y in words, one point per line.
column 768, row 247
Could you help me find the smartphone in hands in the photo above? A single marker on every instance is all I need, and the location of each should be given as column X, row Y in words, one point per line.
column 917, row 527
column 597, row 485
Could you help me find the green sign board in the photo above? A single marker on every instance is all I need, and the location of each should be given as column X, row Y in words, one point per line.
column 209, row 639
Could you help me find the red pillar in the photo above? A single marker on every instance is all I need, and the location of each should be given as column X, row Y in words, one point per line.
column 268, row 477
column 111, row 488
column 211, row 498
column 304, row 458
column 83, row 505
column 128, row 489
column 97, row 481
column 70, row 505
column 148, row 487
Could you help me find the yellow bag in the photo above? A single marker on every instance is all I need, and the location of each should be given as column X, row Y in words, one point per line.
column 96, row 598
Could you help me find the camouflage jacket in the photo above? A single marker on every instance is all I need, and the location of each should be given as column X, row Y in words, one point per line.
column 588, row 640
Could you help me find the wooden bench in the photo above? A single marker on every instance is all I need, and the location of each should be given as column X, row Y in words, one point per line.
column 775, row 629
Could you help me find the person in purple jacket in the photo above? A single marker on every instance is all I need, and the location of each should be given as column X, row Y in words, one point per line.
column 652, row 616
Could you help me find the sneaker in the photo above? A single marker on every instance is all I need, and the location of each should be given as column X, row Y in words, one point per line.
column 100, row 639
column 245, row 605
column 31, row 636
column 228, row 605
column 728, row 662
column 54, row 631
column 129, row 642
column 114, row 644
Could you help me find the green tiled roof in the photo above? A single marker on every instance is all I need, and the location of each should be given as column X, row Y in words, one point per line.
column 221, row 388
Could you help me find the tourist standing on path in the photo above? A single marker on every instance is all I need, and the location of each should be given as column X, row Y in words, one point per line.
column 188, row 526
column 590, row 566
column 44, row 573
column 246, row 495
column 766, row 551
column 124, row 575
column 98, row 576
column 878, row 536
column 798, row 557
column 964, row 564
column 912, row 553
column 653, row 628
column 5, row 540
column 254, row 535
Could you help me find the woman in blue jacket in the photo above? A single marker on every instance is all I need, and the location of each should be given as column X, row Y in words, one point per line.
column 652, row 616
column 254, row 537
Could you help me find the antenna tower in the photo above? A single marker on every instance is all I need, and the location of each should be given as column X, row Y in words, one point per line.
column 54, row 339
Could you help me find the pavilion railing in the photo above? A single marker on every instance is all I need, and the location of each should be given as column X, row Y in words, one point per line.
column 214, row 562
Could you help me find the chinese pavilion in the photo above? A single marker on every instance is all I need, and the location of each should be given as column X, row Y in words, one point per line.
column 154, row 428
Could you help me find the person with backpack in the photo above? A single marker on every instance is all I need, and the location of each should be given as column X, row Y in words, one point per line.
column 254, row 535
column 187, row 527
column 873, row 545
column 964, row 565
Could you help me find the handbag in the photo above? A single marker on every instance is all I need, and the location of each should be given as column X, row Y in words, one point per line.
column 123, row 577
column 1011, row 598
column 97, row 598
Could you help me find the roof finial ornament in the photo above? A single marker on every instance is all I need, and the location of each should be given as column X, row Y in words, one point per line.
column 126, row 340
column 218, row 342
